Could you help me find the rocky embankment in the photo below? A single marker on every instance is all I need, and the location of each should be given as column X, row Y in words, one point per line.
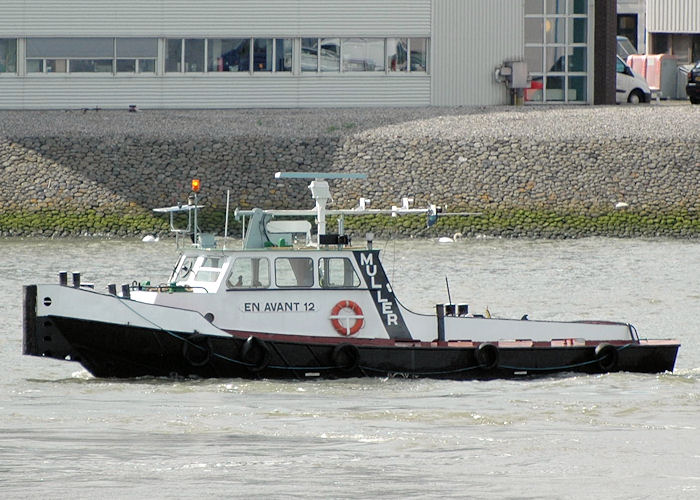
column 532, row 171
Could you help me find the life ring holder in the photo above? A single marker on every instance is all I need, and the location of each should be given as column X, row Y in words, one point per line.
column 607, row 356
column 487, row 356
column 197, row 349
column 255, row 353
column 358, row 316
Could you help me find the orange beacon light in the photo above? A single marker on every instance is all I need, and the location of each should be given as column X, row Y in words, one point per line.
column 195, row 185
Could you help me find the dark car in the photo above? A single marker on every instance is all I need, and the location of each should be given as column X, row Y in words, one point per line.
column 693, row 87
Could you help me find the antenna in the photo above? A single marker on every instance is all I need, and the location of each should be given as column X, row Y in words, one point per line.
column 449, row 297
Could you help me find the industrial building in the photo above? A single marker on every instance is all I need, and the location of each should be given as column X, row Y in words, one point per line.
column 60, row 54
column 662, row 27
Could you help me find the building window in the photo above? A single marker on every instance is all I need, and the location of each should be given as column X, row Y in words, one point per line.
column 329, row 54
column 379, row 55
column 184, row 55
column 218, row 55
column 136, row 55
column 262, row 54
column 363, row 54
column 320, row 54
column 397, row 54
column 418, row 48
column 283, row 54
column 173, row 55
column 91, row 55
column 8, row 55
column 228, row 54
column 91, row 65
column 70, row 55
column 556, row 50
column 309, row 54
column 194, row 55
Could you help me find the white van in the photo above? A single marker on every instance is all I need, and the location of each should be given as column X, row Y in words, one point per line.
column 631, row 86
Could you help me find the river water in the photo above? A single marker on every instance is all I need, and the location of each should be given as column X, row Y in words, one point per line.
column 65, row 434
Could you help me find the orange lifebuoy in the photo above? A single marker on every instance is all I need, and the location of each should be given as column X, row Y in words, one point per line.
column 357, row 315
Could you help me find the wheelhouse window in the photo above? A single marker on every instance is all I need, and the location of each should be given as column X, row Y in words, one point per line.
column 556, row 49
column 294, row 272
column 184, row 268
column 8, row 55
column 337, row 273
column 209, row 269
column 249, row 272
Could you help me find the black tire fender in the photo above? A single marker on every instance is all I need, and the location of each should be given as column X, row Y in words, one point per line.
column 607, row 356
column 197, row 349
column 255, row 353
column 346, row 357
column 487, row 356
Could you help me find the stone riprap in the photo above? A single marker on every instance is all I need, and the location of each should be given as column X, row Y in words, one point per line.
column 530, row 171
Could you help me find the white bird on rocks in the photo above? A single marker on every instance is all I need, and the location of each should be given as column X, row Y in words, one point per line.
column 149, row 238
column 621, row 204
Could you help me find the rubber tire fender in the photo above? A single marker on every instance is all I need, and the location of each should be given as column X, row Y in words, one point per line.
column 607, row 356
column 346, row 357
column 255, row 353
column 487, row 356
column 197, row 349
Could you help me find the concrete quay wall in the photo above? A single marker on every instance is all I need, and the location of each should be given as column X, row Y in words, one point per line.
column 533, row 171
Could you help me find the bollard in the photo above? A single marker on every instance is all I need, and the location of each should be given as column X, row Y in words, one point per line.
column 440, row 310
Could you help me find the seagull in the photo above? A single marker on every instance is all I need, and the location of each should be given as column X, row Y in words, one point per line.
column 149, row 238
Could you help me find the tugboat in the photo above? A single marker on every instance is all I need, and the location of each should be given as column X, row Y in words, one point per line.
column 290, row 304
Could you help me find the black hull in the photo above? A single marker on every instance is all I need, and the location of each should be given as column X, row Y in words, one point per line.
column 121, row 351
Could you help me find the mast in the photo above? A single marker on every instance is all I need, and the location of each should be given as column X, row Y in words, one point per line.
column 319, row 190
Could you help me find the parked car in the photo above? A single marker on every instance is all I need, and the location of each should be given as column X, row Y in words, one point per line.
column 693, row 86
column 631, row 86
column 625, row 47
